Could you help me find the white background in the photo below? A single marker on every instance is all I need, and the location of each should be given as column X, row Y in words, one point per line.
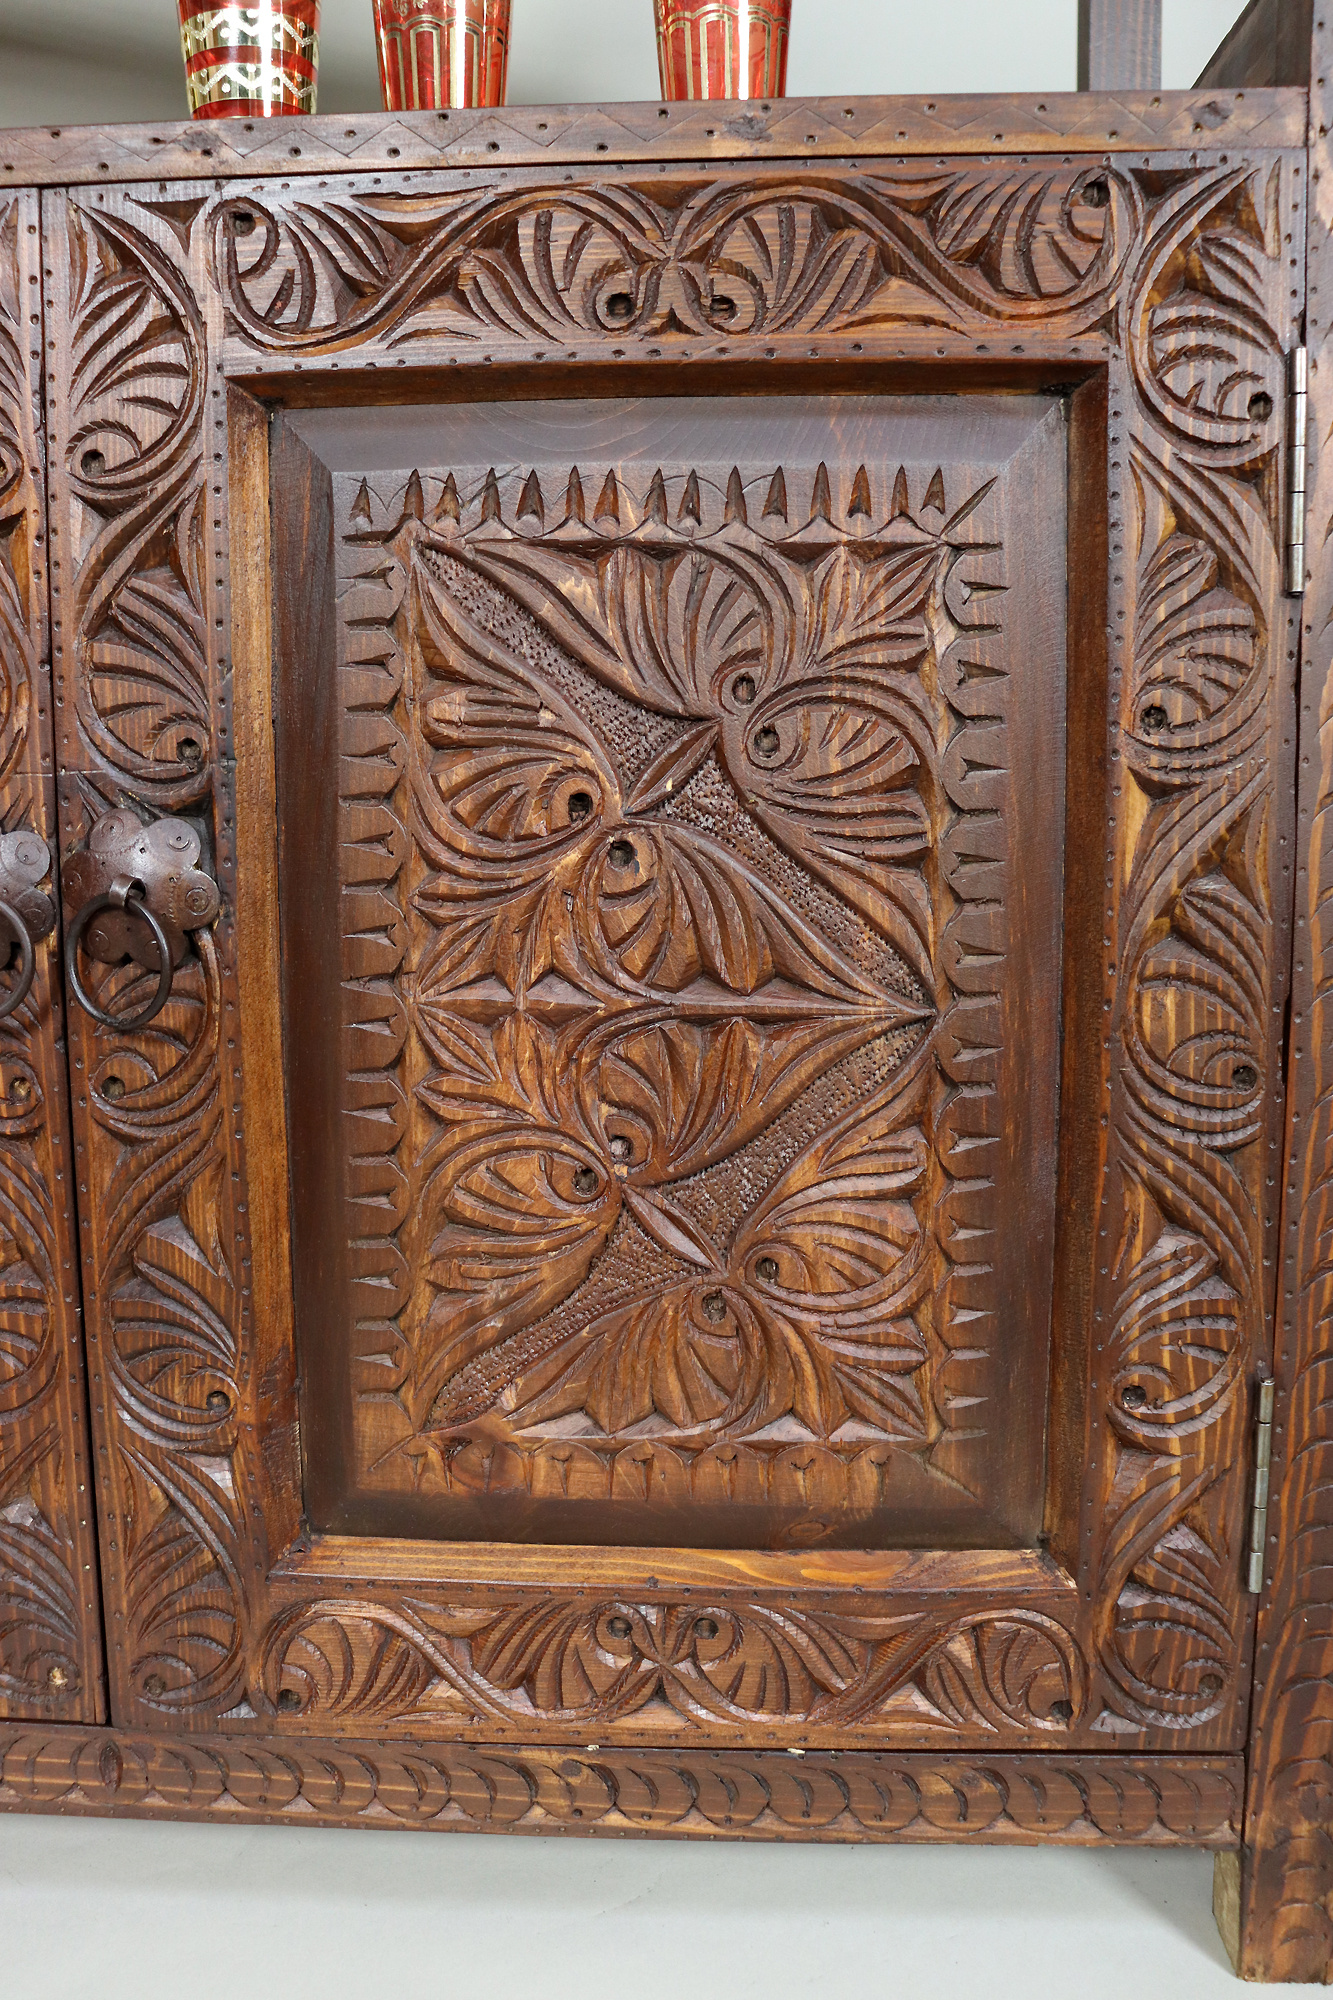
column 107, row 1910
column 93, row 1910
column 62, row 61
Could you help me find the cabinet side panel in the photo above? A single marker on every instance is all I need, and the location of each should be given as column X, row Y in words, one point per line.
column 1286, row 1882
column 50, row 1624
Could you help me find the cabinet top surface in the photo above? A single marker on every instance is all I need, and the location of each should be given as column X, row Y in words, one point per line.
column 789, row 128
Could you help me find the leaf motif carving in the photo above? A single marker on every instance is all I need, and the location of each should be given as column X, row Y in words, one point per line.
column 581, row 1662
column 133, row 461
column 39, row 1606
column 808, row 1313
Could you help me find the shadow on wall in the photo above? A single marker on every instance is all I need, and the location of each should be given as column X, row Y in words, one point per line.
column 52, row 69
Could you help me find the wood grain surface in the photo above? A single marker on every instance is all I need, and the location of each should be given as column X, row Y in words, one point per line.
column 50, row 1627
column 752, row 1795
column 793, row 128
column 1119, row 44
column 1270, row 44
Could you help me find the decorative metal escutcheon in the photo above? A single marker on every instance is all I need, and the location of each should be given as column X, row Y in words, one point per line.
column 27, row 914
column 134, row 893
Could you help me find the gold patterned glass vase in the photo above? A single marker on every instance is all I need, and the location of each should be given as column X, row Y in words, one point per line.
column 722, row 48
column 438, row 52
column 260, row 61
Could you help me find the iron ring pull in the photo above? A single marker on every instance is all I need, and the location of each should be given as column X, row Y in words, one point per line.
column 128, row 894
column 19, row 991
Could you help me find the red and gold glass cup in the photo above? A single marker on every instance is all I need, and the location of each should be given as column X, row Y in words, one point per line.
column 260, row 61
column 722, row 48
column 438, row 52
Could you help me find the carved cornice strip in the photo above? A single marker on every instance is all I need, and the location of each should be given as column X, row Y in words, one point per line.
column 796, row 128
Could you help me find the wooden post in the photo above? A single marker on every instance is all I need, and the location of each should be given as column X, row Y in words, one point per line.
column 1119, row 44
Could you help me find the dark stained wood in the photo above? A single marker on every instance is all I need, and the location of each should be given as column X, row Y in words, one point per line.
column 1119, row 44
column 795, row 128
column 50, row 1628
column 1268, row 46
column 1275, row 1900
column 1087, row 784
column 312, row 1081
column 718, row 1794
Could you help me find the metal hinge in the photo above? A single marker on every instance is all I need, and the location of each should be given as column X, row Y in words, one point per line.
column 1263, row 1458
column 1298, row 411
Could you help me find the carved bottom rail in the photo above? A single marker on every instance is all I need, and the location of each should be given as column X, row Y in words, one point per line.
column 773, row 1795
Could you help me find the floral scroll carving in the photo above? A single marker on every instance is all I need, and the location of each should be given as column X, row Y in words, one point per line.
column 957, row 250
column 134, row 465
column 582, row 1664
column 137, row 692
column 1198, row 992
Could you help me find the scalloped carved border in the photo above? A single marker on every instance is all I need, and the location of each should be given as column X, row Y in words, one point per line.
column 1174, row 278
column 753, row 1795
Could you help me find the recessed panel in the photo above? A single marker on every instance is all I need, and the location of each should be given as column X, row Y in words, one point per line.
column 671, row 796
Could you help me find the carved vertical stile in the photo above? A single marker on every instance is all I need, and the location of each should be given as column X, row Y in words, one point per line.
column 141, row 659
column 1201, row 659
column 50, row 1630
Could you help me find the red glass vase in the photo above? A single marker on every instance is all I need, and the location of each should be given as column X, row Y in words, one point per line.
column 437, row 52
column 260, row 61
column 722, row 48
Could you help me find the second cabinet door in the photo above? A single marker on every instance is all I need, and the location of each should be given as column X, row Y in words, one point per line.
column 50, row 1615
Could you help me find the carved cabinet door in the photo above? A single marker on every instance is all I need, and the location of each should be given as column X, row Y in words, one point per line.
column 707, row 1178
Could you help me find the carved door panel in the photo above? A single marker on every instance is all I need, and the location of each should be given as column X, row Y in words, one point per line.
column 679, row 1165
column 50, row 1624
column 712, row 1180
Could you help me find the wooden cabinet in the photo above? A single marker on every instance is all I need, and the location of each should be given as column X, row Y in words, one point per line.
column 708, row 716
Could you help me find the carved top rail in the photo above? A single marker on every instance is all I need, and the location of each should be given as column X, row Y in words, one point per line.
column 809, row 128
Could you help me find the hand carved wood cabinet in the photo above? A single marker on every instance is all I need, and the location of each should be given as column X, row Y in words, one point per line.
column 666, row 1071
